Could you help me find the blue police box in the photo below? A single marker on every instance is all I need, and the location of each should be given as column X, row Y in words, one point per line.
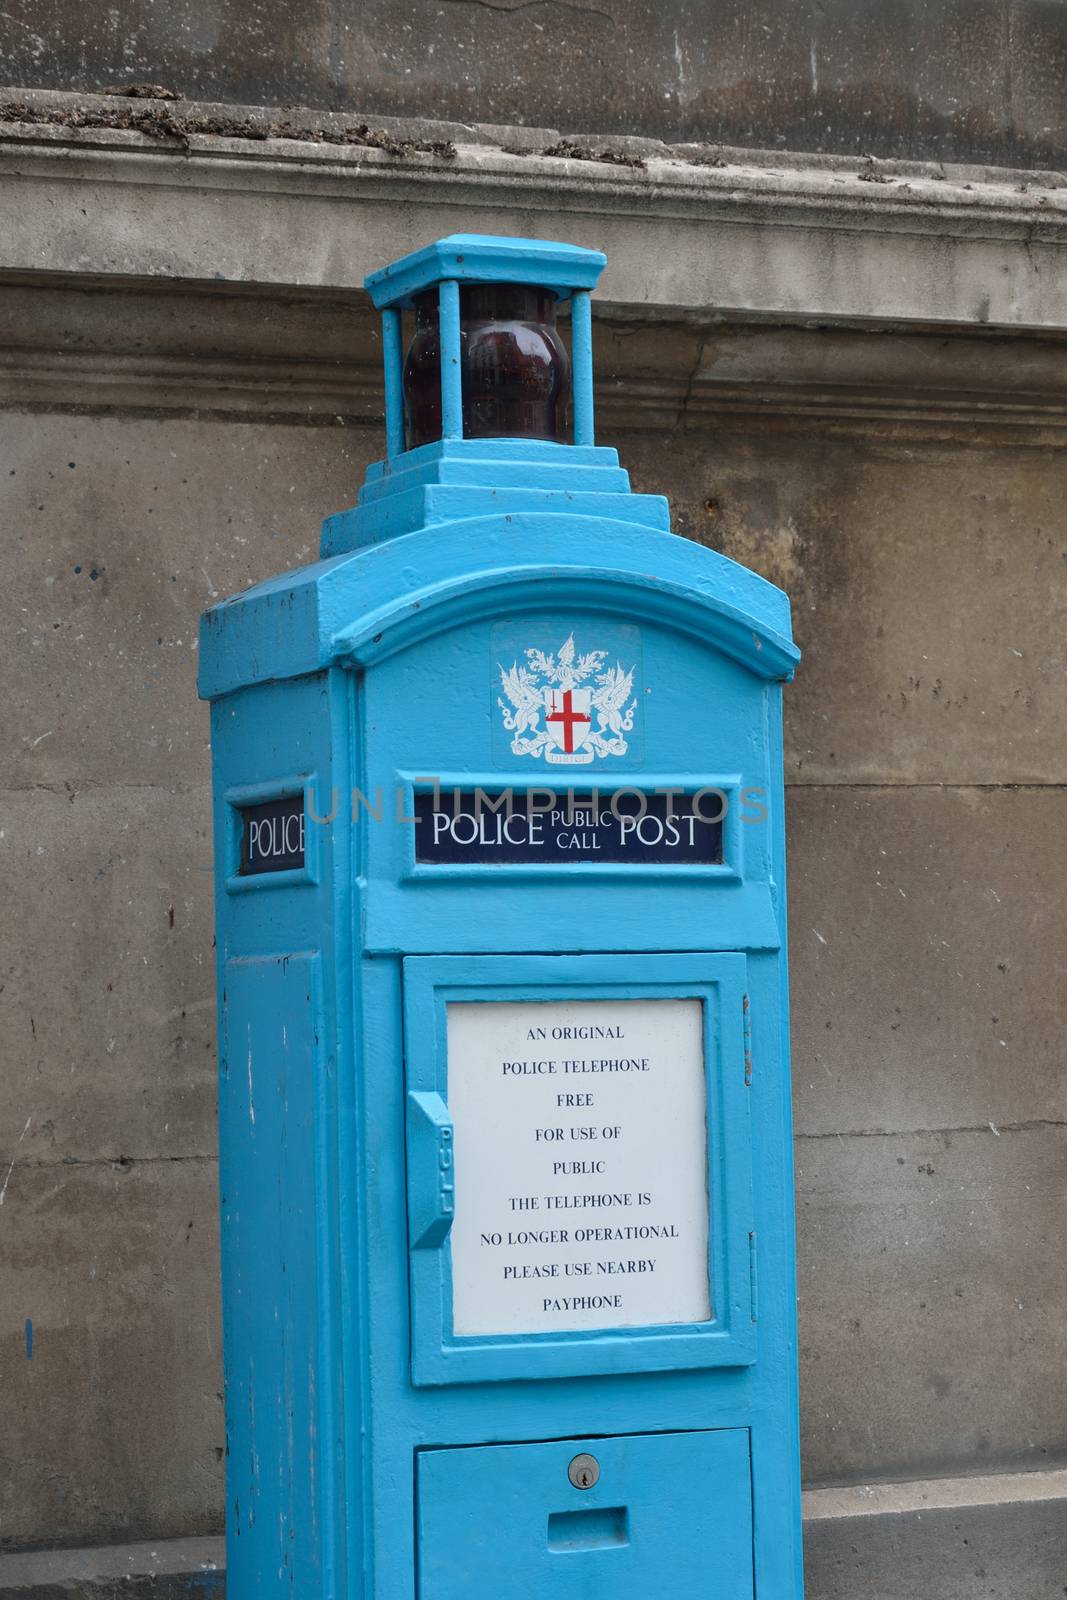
column 504, row 1122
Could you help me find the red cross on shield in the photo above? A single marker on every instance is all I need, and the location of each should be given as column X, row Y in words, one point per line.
column 568, row 718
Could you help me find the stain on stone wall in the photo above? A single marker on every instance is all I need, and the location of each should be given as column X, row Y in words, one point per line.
column 949, row 80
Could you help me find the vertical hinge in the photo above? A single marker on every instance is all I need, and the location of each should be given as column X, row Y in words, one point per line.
column 746, row 1015
column 752, row 1284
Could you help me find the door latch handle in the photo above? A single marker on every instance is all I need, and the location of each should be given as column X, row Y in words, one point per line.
column 431, row 1170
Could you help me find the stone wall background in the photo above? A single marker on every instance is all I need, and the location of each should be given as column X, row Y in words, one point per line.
column 938, row 80
column 163, row 443
column 926, row 557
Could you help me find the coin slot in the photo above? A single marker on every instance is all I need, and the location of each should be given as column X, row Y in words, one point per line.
column 597, row 1528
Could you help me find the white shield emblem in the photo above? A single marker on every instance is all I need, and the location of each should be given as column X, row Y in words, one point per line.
column 566, row 706
column 568, row 723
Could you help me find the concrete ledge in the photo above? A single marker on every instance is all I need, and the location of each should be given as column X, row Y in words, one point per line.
column 227, row 351
column 168, row 1569
column 736, row 233
column 996, row 1538
column 993, row 1538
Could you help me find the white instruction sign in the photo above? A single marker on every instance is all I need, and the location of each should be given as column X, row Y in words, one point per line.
column 580, row 1165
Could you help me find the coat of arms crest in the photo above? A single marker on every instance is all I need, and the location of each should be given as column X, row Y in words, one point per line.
column 567, row 707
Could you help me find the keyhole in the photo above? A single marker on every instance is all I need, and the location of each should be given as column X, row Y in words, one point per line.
column 584, row 1471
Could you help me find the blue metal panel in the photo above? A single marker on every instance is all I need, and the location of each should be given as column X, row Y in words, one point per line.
column 519, row 452
column 451, row 371
column 270, row 1072
column 393, row 362
column 490, row 468
column 728, row 1339
column 428, row 504
column 582, row 358
column 780, row 1560
column 671, row 1513
column 278, row 952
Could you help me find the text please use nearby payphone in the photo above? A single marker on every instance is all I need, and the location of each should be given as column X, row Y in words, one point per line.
column 504, row 1103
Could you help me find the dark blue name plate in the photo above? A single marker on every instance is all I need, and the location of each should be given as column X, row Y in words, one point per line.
column 272, row 836
column 621, row 827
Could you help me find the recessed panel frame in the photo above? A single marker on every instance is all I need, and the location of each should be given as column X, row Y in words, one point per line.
column 727, row 1337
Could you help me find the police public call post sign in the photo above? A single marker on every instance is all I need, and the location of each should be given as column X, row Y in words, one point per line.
column 503, row 1142
column 546, row 826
